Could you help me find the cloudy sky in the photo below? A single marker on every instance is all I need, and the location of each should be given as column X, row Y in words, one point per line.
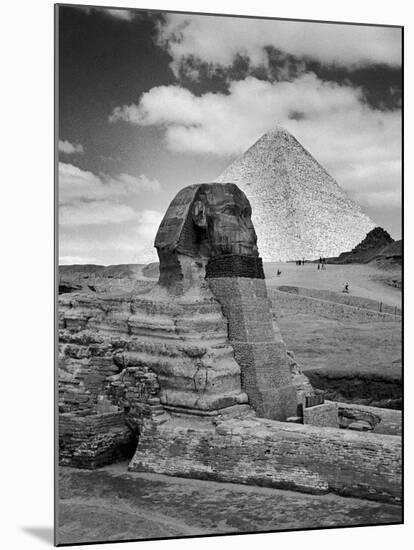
column 152, row 102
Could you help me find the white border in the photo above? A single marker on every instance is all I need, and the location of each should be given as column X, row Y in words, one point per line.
column 27, row 269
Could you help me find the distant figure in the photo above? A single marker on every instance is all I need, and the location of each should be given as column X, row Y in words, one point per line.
column 319, row 266
column 346, row 288
column 279, row 273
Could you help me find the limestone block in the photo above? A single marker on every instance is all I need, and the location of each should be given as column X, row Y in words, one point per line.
column 258, row 348
column 324, row 415
column 385, row 421
column 285, row 455
column 90, row 440
column 360, row 426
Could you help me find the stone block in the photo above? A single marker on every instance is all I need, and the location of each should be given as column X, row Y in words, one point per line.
column 284, row 455
column 360, row 426
column 325, row 415
column 94, row 440
column 260, row 352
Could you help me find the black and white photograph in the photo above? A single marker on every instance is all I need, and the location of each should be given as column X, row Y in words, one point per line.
column 229, row 280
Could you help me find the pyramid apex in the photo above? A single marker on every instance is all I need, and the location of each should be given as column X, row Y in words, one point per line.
column 276, row 131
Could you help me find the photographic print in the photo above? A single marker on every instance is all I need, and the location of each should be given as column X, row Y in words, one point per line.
column 229, row 273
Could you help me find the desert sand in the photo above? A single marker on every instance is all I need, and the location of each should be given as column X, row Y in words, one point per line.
column 364, row 279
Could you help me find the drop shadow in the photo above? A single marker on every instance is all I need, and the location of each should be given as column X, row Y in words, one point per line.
column 43, row 533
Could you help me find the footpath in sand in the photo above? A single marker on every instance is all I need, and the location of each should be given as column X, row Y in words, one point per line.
column 362, row 279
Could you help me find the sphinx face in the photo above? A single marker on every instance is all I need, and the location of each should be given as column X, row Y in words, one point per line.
column 224, row 212
column 207, row 223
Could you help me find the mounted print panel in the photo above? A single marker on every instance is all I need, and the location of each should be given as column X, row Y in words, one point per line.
column 229, row 301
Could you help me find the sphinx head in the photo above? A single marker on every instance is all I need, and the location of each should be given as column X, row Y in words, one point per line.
column 221, row 214
column 204, row 223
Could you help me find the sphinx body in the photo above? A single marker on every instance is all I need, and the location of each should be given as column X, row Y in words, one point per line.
column 205, row 329
column 207, row 241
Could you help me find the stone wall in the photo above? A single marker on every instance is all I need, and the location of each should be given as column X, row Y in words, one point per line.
column 287, row 303
column 324, row 415
column 341, row 298
column 276, row 454
column 90, row 440
column 86, row 359
column 183, row 340
column 92, row 335
column 136, row 391
column 381, row 421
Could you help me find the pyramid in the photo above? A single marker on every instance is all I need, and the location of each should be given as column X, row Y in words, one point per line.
column 299, row 210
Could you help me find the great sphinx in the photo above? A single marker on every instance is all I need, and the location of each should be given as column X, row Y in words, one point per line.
column 207, row 243
column 205, row 330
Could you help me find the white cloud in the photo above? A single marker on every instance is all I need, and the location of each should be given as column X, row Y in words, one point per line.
column 87, row 199
column 149, row 221
column 373, row 182
column 123, row 14
column 359, row 146
column 379, row 199
column 146, row 230
column 97, row 212
column 131, row 242
column 77, row 184
column 100, row 223
column 69, row 148
column 217, row 41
